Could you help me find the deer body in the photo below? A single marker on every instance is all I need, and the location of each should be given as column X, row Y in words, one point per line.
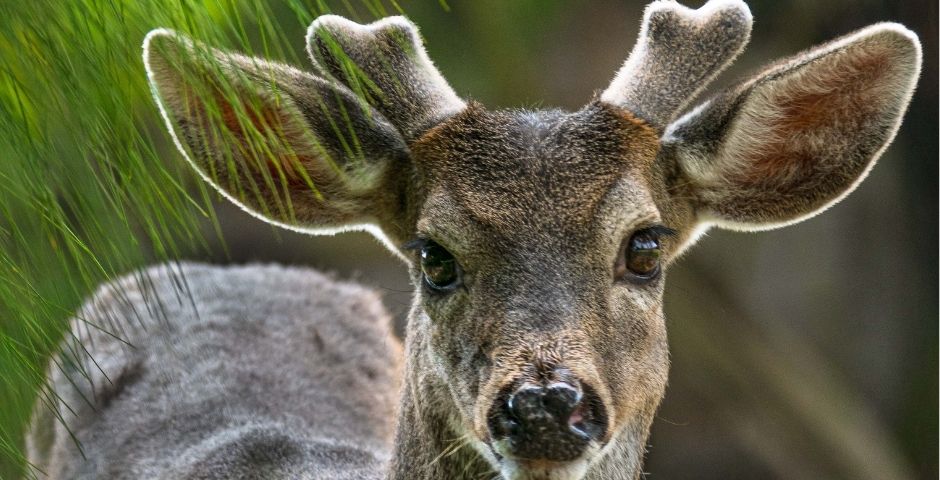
column 537, row 240
column 221, row 373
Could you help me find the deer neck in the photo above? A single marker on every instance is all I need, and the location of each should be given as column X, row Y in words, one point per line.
column 427, row 445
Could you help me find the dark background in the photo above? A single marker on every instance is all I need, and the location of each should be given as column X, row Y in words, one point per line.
column 808, row 352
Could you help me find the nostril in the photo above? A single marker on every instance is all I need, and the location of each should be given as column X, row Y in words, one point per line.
column 561, row 400
column 590, row 416
column 576, row 420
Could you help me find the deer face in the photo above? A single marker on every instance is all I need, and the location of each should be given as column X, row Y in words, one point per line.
column 538, row 241
column 539, row 254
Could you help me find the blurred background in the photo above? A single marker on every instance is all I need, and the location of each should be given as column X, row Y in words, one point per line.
column 807, row 352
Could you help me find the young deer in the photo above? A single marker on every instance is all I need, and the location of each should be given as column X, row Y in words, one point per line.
column 537, row 240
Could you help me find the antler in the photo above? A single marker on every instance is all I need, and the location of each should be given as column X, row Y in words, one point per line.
column 385, row 63
column 678, row 52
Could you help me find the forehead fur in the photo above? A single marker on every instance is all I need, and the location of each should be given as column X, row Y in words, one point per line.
column 543, row 169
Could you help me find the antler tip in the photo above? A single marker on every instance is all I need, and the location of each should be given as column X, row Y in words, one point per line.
column 670, row 13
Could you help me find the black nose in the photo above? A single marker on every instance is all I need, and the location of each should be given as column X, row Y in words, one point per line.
column 533, row 405
column 554, row 422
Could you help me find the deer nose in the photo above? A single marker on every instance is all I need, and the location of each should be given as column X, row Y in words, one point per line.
column 555, row 422
column 533, row 405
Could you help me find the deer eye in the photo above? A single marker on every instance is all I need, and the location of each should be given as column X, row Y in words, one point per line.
column 440, row 269
column 639, row 257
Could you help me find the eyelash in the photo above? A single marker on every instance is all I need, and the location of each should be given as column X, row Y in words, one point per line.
column 415, row 244
column 660, row 230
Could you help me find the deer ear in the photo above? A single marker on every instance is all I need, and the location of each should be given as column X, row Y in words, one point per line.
column 798, row 137
column 289, row 147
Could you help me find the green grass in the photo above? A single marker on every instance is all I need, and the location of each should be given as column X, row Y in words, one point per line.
column 89, row 186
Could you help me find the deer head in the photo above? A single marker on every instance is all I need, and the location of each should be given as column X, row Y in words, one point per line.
column 538, row 241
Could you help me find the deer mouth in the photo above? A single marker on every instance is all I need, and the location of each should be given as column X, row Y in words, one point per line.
column 511, row 466
column 523, row 469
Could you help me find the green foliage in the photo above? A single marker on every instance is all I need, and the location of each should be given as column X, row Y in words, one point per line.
column 88, row 187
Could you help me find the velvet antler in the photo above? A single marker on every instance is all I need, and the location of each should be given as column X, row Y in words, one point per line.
column 385, row 63
column 678, row 52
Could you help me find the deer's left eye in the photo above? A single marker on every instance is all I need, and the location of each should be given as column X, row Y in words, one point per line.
column 640, row 255
column 440, row 269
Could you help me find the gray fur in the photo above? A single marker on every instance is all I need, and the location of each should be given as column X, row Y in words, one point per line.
column 536, row 206
column 251, row 372
column 678, row 52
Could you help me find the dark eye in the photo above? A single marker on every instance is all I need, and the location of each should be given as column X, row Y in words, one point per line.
column 440, row 270
column 639, row 256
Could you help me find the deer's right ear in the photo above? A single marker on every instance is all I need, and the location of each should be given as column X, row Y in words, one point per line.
column 801, row 135
column 287, row 146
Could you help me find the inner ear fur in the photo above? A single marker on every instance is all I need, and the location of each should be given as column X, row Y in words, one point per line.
column 287, row 146
column 798, row 137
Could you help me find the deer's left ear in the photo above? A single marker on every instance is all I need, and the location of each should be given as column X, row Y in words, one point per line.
column 801, row 135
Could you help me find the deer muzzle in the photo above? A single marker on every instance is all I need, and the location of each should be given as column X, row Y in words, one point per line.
column 552, row 421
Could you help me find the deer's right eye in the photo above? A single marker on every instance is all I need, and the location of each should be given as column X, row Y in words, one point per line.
column 439, row 268
column 640, row 255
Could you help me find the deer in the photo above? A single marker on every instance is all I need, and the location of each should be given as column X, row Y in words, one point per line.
column 537, row 242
